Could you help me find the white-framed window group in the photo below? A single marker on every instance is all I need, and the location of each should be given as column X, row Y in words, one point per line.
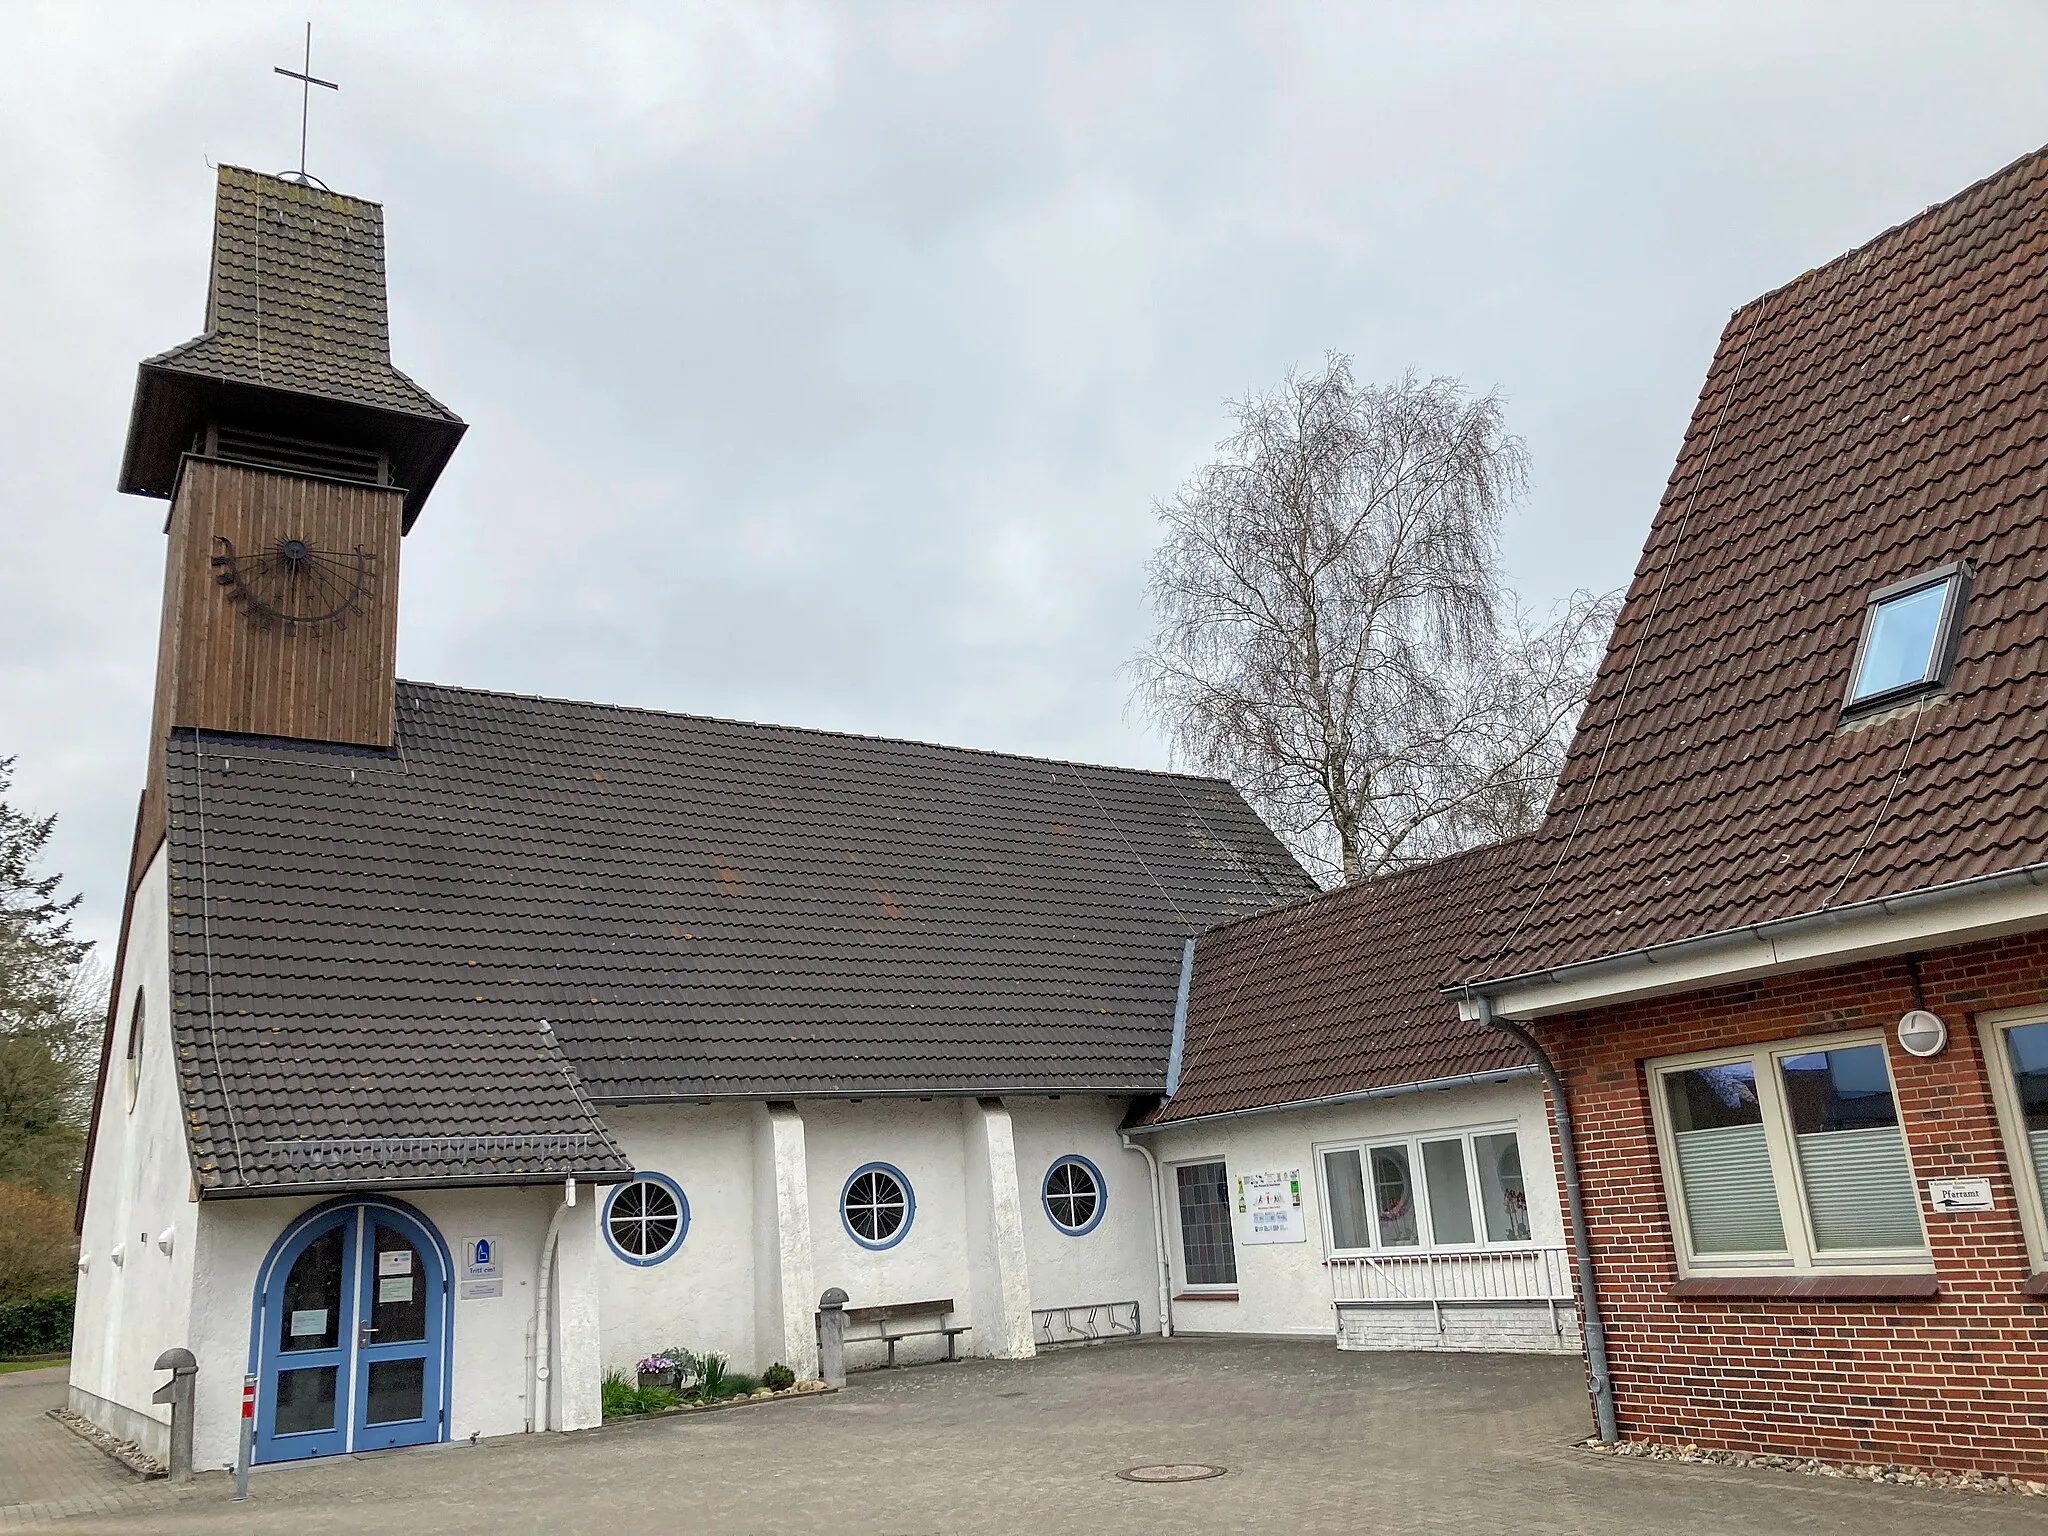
column 1449, row 1189
column 1787, row 1158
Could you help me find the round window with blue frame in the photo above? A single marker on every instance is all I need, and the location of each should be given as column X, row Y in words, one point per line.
column 1074, row 1195
column 877, row 1206
column 646, row 1219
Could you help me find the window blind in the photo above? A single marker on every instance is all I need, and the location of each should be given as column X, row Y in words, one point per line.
column 1859, row 1189
column 1731, row 1200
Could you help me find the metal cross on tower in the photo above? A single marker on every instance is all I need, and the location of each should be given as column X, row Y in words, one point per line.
column 307, row 81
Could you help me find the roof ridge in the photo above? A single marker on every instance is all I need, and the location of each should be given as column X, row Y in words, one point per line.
column 298, row 186
column 1894, row 231
column 1376, row 883
column 818, row 730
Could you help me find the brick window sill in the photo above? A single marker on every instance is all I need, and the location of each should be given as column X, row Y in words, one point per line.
column 1809, row 1288
column 2037, row 1285
column 1206, row 1296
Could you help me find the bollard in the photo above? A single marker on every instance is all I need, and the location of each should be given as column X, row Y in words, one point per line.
column 248, row 1437
column 178, row 1393
column 832, row 1338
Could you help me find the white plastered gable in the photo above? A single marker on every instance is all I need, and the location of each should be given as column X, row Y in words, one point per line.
column 138, row 1242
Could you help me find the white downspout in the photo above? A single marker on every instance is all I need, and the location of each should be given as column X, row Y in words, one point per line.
column 1158, row 1238
column 537, row 1384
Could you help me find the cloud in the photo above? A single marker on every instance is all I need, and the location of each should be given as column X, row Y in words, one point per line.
column 823, row 361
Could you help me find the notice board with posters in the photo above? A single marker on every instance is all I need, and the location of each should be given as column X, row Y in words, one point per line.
column 1269, row 1207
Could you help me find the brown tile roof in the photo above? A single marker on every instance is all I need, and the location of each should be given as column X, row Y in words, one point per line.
column 297, row 338
column 365, row 941
column 1876, row 418
column 1340, row 993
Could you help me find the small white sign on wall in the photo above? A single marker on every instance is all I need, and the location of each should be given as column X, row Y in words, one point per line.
column 1960, row 1194
column 1269, row 1207
column 482, row 1270
column 480, row 1258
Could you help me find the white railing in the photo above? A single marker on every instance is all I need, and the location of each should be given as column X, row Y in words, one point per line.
column 1481, row 1277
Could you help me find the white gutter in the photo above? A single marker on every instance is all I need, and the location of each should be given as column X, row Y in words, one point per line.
column 1765, row 936
column 1158, row 1238
column 1363, row 1095
column 537, row 1348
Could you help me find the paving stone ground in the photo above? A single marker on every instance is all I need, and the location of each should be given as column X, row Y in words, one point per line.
column 47, row 1472
column 1315, row 1441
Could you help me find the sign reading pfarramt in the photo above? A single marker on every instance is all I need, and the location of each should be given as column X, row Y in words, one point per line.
column 1960, row 1195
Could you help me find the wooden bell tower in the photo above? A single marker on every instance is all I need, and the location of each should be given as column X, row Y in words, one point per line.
column 294, row 457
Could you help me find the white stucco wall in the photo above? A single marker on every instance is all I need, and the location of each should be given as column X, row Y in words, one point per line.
column 998, row 1273
column 926, row 1141
column 1284, row 1288
column 140, row 1190
column 750, row 1258
column 703, row 1296
column 1115, row 1262
column 575, row 1381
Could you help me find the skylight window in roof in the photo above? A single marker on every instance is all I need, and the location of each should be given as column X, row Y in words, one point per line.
column 1909, row 638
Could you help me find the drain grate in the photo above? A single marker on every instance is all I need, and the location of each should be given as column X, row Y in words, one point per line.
column 1171, row 1472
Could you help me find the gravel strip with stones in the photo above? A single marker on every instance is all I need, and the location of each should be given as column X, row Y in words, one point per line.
column 127, row 1452
column 1813, row 1466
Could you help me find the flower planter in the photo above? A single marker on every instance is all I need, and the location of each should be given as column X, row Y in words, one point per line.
column 800, row 1392
column 658, row 1379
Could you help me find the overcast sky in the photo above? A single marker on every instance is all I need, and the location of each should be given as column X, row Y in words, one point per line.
column 823, row 361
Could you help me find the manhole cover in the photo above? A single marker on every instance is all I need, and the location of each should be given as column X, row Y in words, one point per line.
column 1171, row 1472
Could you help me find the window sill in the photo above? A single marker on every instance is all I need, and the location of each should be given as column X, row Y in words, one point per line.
column 1206, row 1296
column 2037, row 1285
column 1809, row 1288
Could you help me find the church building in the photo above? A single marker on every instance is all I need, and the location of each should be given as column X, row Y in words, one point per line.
column 465, row 1046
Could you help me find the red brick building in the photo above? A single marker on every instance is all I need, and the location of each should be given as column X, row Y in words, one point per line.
column 1785, row 930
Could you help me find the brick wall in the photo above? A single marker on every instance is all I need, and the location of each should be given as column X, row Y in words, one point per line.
column 1960, row 1380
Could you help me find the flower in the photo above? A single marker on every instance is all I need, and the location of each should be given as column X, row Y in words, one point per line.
column 654, row 1364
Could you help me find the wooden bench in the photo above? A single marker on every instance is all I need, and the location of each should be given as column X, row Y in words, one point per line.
column 888, row 1318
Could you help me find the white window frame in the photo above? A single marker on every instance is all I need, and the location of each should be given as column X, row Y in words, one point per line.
column 1180, row 1244
column 2012, row 1126
column 1802, row 1255
column 1412, row 1141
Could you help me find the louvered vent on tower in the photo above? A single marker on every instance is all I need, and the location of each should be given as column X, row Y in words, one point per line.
column 273, row 450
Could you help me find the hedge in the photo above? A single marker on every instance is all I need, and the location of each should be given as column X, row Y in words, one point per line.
column 39, row 1326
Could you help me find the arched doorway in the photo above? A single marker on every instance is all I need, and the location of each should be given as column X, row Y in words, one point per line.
column 351, row 1338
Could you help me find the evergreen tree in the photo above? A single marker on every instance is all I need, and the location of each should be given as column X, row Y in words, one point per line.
column 51, row 1011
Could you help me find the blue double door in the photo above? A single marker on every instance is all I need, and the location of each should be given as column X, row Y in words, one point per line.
column 352, row 1333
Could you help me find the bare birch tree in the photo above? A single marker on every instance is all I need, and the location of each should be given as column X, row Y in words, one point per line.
column 1332, row 630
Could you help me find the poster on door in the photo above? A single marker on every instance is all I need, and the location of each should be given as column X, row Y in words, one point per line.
column 1269, row 1207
